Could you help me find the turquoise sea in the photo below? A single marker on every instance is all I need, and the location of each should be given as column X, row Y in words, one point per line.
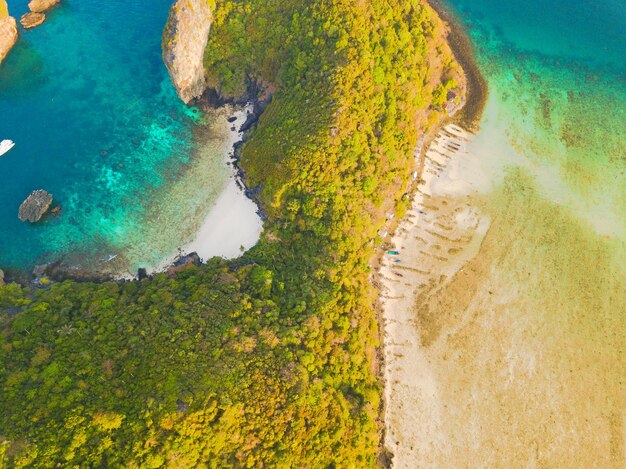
column 556, row 110
column 532, row 369
column 556, row 72
column 97, row 123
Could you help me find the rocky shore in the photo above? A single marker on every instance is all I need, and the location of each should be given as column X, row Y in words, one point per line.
column 8, row 30
column 184, row 40
column 458, row 40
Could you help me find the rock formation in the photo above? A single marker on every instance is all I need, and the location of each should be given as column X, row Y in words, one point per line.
column 31, row 20
column 1, row 277
column 184, row 40
column 35, row 206
column 39, row 6
column 8, row 30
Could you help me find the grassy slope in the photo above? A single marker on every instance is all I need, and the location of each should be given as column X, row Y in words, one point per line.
column 269, row 359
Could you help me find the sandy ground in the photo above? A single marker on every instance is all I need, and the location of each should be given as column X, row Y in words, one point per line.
column 504, row 339
column 232, row 225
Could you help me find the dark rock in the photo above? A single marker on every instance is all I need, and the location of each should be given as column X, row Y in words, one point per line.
column 181, row 406
column 40, row 270
column 59, row 272
column 249, row 123
column 231, row 119
column 35, row 206
column 183, row 263
column 142, row 274
column 189, row 259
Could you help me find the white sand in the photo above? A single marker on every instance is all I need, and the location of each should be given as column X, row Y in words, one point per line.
column 231, row 227
column 233, row 224
column 438, row 236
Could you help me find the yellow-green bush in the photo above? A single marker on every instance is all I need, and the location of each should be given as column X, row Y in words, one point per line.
column 268, row 360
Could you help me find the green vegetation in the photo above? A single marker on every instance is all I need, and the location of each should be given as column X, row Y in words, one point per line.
column 268, row 360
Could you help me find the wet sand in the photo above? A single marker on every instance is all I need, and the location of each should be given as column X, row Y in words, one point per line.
column 504, row 332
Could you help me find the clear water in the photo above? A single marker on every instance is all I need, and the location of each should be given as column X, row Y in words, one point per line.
column 557, row 99
column 545, row 332
column 98, row 124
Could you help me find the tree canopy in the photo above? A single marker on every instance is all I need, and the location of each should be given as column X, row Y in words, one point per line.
column 269, row 360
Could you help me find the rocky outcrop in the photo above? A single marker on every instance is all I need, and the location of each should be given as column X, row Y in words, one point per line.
column 183, row 263
column 35, row 206
column 8, row 30
column 31, row 20
column 39, row 6
column 1, row 278
column 184, row 40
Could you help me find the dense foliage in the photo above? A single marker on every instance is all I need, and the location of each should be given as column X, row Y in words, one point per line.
column 268, row 360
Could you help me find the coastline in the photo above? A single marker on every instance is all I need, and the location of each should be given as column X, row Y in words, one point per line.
column 477, row 90
column 234, row 221
column 505, row 307
column 398, row 327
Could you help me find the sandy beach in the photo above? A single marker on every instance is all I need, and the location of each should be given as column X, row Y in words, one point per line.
column 232, row 224
column 435, row 240
column 503, row 339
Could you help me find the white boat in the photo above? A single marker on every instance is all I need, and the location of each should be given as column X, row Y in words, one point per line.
column 5, row 146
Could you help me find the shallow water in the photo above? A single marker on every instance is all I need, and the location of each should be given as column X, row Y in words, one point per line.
column 98, row 124
column 557, row 104
column 527, row 341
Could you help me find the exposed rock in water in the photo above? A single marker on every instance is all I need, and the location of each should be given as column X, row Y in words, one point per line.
column 31, row 20
column 35, row 206
column 39, row 6
column 59, row 272
column 184, row 40
column 8, row 30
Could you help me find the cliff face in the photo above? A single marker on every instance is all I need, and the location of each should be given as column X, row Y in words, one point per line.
column 184, row 40
column 8, row 30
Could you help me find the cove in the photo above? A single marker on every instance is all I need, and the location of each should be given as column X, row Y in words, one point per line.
column 97, row 123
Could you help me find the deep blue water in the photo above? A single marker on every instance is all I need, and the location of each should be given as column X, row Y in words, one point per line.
column 96, row 123
column 592, row 33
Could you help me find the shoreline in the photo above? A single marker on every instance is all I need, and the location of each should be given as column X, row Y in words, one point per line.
column 441, row 232
column 231, row 212
column 234, row 205
column 469, row 117
column 470, row 114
